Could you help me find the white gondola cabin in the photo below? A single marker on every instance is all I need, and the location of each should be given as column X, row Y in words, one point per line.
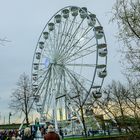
column 97, row 94
column 45, row 35
column 57, row 18
column 99, row 32
column 51, row 26
column 74, row 11
column 36, row 98
column 65, row 13
column 38, row 55
column 102, row 74
column 35, row 66
column 34, row 76
column 102, row 49
column 83, row 12
column 39, row 108
column 41, row 44
column 92, row 20
column 34, row 87
column 103, row 52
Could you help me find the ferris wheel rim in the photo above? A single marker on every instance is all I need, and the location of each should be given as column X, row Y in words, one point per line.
column 71, row 64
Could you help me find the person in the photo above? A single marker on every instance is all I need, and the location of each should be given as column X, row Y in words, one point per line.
column 51, row 134
column 18, row 137
column 27, row 134
column 61, row 133
column 13, row 137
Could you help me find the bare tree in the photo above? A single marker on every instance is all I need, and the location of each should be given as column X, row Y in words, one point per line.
column 126, row 13
column 113, row 102
column 133, row 103
column 3, row 41
column 122, row 103
column 77, row 98
column 21, row 98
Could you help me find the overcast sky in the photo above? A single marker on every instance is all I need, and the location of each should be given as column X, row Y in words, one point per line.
column 21, row 22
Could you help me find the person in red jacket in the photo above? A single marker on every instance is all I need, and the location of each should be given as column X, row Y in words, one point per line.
column 51, row 134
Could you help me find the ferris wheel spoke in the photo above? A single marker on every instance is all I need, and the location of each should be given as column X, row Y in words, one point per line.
column 82, row 77
column 51, row 44
column 60, row 81
column 45, row 95
column 83, row 65
column 80, row 52
column 72, row 36
column 59, row 35
column 45, row 73
column 47, row 51
column 86, row 47
column 63, row 35
column 58, row 74
column 79, row 56
column 63, row 86
column 73, row 46
column 73, row 77
column 54, row 38
column 37, row 79
column 40, row 90
column 49, row 95
column 41, row 71
column 40, row 85
column 62, row 28
column 69, row 50
column 49, row 91
column 67, row 33
column 73, row 74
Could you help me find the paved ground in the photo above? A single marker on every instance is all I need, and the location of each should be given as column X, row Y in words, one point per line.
column 38, row 139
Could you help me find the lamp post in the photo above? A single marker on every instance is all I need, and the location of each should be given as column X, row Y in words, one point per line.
column 10, row 114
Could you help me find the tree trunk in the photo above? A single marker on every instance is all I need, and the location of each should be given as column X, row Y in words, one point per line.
column 83, row 120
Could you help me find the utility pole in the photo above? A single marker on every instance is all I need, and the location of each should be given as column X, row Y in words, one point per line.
column 4, row 120
column 10, row 114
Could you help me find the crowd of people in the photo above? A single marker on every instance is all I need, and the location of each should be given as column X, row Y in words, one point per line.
column 9, row 135
column 28, row 134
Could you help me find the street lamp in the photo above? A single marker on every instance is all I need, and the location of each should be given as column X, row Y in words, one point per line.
column 10, row 114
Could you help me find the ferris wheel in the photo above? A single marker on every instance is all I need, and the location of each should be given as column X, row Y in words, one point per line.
column 69, row 62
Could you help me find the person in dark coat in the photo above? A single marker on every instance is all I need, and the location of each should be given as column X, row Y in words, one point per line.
column 61, row 133
column 51, row 134
column 27, row 134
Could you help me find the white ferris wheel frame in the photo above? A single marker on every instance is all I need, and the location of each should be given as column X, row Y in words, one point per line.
column 45, row 87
